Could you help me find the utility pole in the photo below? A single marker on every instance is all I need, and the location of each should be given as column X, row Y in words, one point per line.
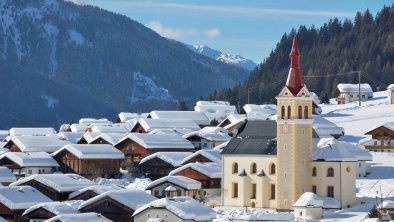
column 359, row 88
column 248, row 97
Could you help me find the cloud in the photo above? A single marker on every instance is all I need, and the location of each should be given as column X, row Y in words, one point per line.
column 171, row 33
column 211, row 33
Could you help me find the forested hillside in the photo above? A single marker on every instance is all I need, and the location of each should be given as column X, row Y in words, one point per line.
column 332, row 51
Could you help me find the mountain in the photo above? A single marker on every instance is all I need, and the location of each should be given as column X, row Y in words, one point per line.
column 224, row 57
column 329, row 55
column 60, row 61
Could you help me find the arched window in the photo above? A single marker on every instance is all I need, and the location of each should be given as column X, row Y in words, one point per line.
column 282, row 114
column 253, row 168
column 272, row 169
column 330, row 172
column 235, row 167
column 299, row 112
column 288, row 112
column 314, row 173
column 306, row 112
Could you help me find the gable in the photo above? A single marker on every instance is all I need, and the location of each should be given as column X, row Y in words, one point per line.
column 285, row 92
column 191, row 173
column 40, row 213
column 303, row 92
column 156, row 162
column 101, row 206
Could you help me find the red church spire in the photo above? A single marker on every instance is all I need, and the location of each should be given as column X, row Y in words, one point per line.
column 294, row 80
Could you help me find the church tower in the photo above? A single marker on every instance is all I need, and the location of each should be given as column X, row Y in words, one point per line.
column 294, row 136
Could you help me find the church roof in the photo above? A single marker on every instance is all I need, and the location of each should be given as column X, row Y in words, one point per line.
column 254, row 137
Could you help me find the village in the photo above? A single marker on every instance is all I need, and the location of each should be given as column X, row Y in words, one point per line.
column 190, row 165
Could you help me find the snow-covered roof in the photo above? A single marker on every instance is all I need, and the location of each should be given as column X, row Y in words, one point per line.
column 204, row 103
column 58, row 182
column 199, row 117
column 151, row 124
column 266, row 109
column 36, row 159
column 391, row 86
column 213, row 155
column 330, row 203
column 6, row 176
column 315, row 98
column 211, row 170
column 3, row 134
column 365, row 87
column 211, row 134
column 92, row 120
column 309, row 199
column 173, row 158
column 220, row 146
column 181, row 181
column 92, row 151
column 79, row 127
column 2, row 219
column 98, row 189
column 185, row 208
column 111, row 128
column 388, row 125
column 132, row 199
column 32, row 131
column 216, row 111
column 387, row 204
column 124, row 116
column 47, row 144
column 112, row 138
column 80, row 217
column 66, row 207
column 325, row 128
column 171, row 131
column 23, row 197
column 152, row 141
column 329, row 149
column 73, row 137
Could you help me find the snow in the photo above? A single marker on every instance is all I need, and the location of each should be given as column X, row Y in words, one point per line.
column 173, row 158
column 221, row 146
column 76, row 37
column 145, row 88
column 23, row 197
column 308, row 199
column 111, row 128
column 92, row 151
column 325, row 128
column 98, row 189
column 210, row 134
column 391, row 86
column 6, row 176
column 112, row 138
column 211, row 170
column 129, row 198
column 185, row 208
column 227, row 214
column 50, row 101
column 32, row 131
column 58, row 182
column 112, row 182
column 73, row 137
column 151, row 124
column 199, row 117
column 157, row 141
column 80, row 217
column 354, row 87
column 66, row 207
column 138, row 184
column 330, row 203
column 51, row 32
column 266, row 109
column 218, row 111
column 47, row 144
column 124, row 116
column 181, row 181
column 213, row 155
column 388, row 125
column 171, row 131
column 92, row 120
column 36, row 159
column 329, row 149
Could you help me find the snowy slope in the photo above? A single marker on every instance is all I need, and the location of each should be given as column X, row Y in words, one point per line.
column 223, row 57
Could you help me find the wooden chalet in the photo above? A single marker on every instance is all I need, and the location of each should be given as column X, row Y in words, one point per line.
column 382, row 138
column 117, row 205
column 55, row 186
column 101, row 138
column 90, row 160
column 15, row 200
column 92, row 191
column 203, row 156
column 180, row 185
column 48, row 144
column 45, row 211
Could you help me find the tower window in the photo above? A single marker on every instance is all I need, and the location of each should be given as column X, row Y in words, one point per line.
column 314, row 173
column 330, row 172
column 306, row 112
column 235, row 190
column 235, row 167
column 253, row 194
column 282, row 112
column 253, row 168
column 299, row 112
column 272, row 169
column 289, row 112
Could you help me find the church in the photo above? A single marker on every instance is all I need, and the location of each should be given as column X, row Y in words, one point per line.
column 270, row 164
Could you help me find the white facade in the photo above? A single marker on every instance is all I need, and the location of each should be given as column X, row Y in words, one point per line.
column 351, row 93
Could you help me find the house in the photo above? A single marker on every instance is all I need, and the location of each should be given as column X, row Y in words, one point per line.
column 32, row 132
column 160, row 164
column 92, row 191
column 270, row 164
column 183, row 186
column 117, row 205
column 45, row 211
column 31, row 144
column 198, row 117
column 175, row 209
column 253, row 109
column 26, row 164
column 81, row 217
column 90, row 160
column 215, row 110
column 15, row 200
column 390, row 93
column 125, row 116
column 208, row 137
column 382, row 138
column 309, row 205
column 137, row 146
column 6, row 176
column 73, row 137
column 209, row 174
column 203, row 156
column 101, row 138
column 148, row 125
column 79, row 127
column 351, row 92
column 55, row 186
column 326, row 128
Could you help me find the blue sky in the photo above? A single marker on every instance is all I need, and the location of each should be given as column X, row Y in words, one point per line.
column 250, row 28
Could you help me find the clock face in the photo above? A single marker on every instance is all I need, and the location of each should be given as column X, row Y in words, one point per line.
column 285, row 128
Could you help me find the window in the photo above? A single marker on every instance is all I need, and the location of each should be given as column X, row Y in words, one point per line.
column 148, row 215
column 388, row 143
column 348, row 169
column 314, row 189
column 235, row 167
column 289, row 112
column 306, row 112
column 205, row 144
column 272, row 192
column 253, row 168
column 330, row 172
column 235, row 190
column 314, row 171
column 272, row 169
column 303, row 131
column 282, row 114
column 351, row 96
column 299, row 112
column 253, row 193
column 375, row 143
column 156, row 193
column 359, row 164
column 29, row 171
column 330, row 191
